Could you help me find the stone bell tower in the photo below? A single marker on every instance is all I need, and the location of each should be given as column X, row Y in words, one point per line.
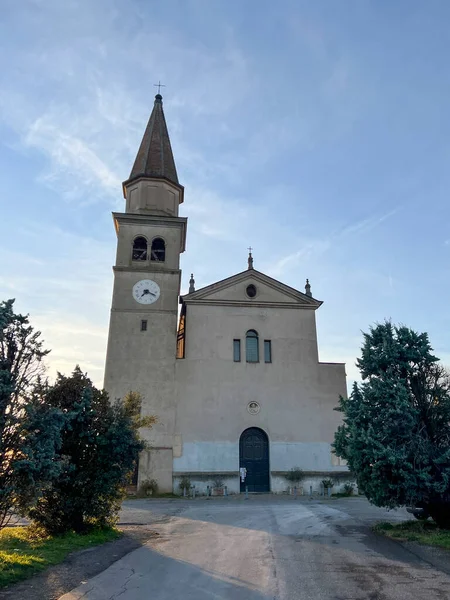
column 142, row 338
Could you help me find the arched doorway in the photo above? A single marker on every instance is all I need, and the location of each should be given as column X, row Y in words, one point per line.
column 254, row 456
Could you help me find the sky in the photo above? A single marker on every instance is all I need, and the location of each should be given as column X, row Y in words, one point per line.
column 316, row 132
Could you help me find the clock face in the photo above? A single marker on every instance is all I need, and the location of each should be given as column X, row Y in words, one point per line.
column 146, row 291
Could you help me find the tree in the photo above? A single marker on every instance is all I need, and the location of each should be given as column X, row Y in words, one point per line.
column 29, row 430
column 395, row 434
column 100, row 444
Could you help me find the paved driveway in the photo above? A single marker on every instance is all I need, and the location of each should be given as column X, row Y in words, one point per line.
column 266, row 548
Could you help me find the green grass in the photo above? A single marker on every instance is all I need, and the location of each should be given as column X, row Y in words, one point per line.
column 424, row 532
column 23, row 553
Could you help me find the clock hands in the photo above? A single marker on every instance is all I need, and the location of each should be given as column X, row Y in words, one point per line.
column 145, row 292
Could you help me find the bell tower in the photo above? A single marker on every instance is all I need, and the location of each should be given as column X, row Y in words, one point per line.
column 142, row 339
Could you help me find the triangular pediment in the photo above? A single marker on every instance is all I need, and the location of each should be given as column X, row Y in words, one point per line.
column 234, row 291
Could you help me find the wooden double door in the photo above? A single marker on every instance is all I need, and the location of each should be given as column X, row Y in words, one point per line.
column 254, row 456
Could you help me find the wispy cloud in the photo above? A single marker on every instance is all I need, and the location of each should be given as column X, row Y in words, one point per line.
column 68, row 295
column 313, row 248
column 74, row 165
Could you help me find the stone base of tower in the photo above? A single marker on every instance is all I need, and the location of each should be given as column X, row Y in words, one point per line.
column 157, row 463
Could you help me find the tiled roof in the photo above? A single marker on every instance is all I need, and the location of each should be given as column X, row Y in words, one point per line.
column 155, row 158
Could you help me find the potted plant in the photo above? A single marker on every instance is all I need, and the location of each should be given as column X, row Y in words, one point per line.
column 185, row 485
column 217, row 487
column 295, row 476
column 327, row 485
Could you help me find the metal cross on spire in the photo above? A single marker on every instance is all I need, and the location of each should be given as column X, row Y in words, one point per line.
column 159, row 85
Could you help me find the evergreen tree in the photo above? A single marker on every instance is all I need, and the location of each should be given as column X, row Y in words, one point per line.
column 395, row 434
column 29, row 430
column 100, row 444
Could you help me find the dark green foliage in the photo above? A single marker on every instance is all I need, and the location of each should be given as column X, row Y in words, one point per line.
column 327, row 483
column 349, row 488
column 100, row 445
column 396, row 431
column 29, row 430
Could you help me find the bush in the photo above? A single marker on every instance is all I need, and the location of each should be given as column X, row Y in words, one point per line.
column 295, row 475
column 100, row 444
column 218, row 483
column 327, row 483
column 149, row 487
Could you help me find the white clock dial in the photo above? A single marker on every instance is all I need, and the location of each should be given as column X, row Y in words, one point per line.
column 146, row 291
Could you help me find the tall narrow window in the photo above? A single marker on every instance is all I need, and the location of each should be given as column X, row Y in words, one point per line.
column 237, row 350
column 158, row 251
column 267, row 351
column 251, row 346
column 181, row 339
column 144, row 325
column 140, row 248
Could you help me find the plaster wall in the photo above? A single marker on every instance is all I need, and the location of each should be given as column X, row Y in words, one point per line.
column 170, row 231
column 157, row 463
column 296, row 393
column 264, row 292
column 154, row 196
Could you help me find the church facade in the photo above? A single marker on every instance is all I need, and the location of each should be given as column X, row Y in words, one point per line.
column 234, row 377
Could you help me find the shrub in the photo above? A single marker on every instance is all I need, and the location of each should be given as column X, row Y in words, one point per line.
column 218, row 483
column 327, row 483
column 100, row 444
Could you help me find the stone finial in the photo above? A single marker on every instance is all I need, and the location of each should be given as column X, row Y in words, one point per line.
column 308, row 289
column 250, row 258
column 191, row 284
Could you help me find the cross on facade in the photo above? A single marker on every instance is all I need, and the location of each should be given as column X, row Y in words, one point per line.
column 250, row 258
column 159, row 85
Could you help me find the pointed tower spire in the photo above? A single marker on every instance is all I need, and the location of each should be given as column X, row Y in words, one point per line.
column 250, row 258
column 192, row 284
column 155, row 157
column 154, row 161
column 308, row 289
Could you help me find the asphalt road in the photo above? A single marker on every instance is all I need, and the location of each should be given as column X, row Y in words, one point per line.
column 267, row 548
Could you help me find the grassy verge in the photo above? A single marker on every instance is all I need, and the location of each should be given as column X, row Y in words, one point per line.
column 23, row 553
column 424, row 532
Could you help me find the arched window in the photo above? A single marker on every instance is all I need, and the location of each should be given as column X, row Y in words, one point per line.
column 251, row 346
column 140, row 248
column 158, row 251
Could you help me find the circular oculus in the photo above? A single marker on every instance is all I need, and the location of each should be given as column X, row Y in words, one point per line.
column 251, row 291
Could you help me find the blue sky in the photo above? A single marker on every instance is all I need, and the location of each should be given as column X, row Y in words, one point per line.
column 317, row 132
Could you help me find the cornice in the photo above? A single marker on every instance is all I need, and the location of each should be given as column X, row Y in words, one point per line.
column 143, row 311
column 124, row 269
column 248, row 303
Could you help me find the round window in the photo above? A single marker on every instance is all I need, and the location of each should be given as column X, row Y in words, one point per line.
column 251, row 291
